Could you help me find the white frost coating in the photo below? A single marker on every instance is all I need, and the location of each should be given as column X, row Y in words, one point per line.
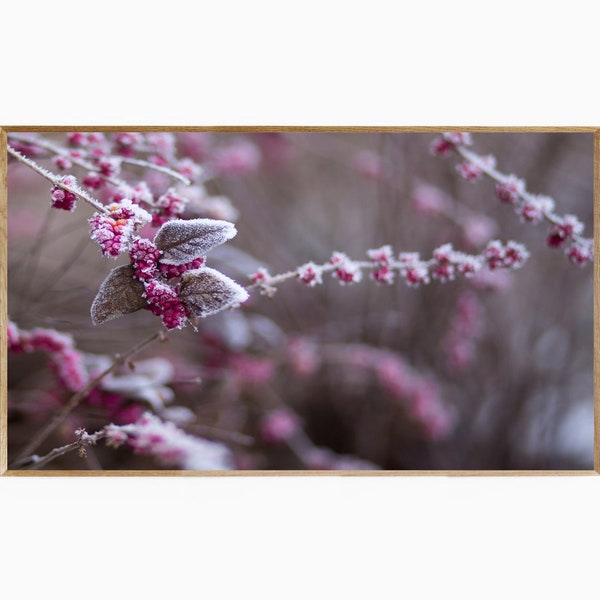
column 182, row 241
column 206, row 291
column 150, row 435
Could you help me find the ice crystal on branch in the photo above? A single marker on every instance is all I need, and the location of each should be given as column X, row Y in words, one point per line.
column 565, row 232
column 345, row 270
column 310, row 274
column 62, row 198
column 151, row 436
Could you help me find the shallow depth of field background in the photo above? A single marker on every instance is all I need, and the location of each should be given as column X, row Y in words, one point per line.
column 524, row 402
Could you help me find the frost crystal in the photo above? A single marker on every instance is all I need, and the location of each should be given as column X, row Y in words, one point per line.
column 151, row 436
column 310, row 274
column 183, row 241
column 119, row 294
column 206, row 291
column 114, row 232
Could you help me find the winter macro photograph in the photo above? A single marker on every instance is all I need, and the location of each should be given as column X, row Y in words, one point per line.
column 303, row 301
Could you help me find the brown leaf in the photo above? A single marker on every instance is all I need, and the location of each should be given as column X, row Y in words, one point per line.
column 183, row 241
column 206, row 291
column 119, row 294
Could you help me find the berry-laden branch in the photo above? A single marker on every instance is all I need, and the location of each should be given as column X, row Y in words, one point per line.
column 75, row 400
column 65, row 190
column 150, row 436
column 565, row 231
column 445, row 264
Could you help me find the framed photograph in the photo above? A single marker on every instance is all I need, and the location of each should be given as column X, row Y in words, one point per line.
column 350, row 301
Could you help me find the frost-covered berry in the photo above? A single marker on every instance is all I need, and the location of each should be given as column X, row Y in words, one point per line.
column 346, row 270
column 416, row 276
column 62, row 163
column 162, row 142
column 458, row 138
column 114, row 232
column 260, row 276
column 77, row 138
column 443, row 269
column 170, row 205
column 383, row 275
column 581, row 252
column 497, row 256
column 381, row 256
column 93, row 181
column 64, row 199
column 172, row 271
column 468, row 265
column 188, row 168
column 109, row 166
column 70, row 370
column 413, row 269
column 445, row 143
column 144, row 257
column 469, row 171
column 534, row 209
column 164, row 302
column 568, row 226
column 510, row 190
column 441, row 146
column 310, row 274
column 515, row 255
column 126, row 143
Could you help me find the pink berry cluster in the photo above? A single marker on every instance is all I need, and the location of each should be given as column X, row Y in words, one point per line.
column 66, row 361
column 144, row 257
column 565, row 231
column 62, row 198
column 106, row 155
column 445, row 143
column 164, row 302
column 172, row 446
column 344, row 269
column 114, row 231
column 444, row 266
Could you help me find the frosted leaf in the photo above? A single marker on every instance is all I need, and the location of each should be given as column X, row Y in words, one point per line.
column 183, row 241
column 119, row 294
column 206, row 291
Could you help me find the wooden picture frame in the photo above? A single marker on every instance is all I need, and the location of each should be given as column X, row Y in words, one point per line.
column 6, row 471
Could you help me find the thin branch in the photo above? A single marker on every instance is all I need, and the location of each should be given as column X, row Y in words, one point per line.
column 56, row 180
column 499, row 177
column 165, row 170
column 60, row 151
column 444, row 265
column 74, row 401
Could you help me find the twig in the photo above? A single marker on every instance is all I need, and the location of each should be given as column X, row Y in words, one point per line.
column 60, row 151
column 56, row 180
column 499, row 177
column 120, row 359
column 165, row 170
